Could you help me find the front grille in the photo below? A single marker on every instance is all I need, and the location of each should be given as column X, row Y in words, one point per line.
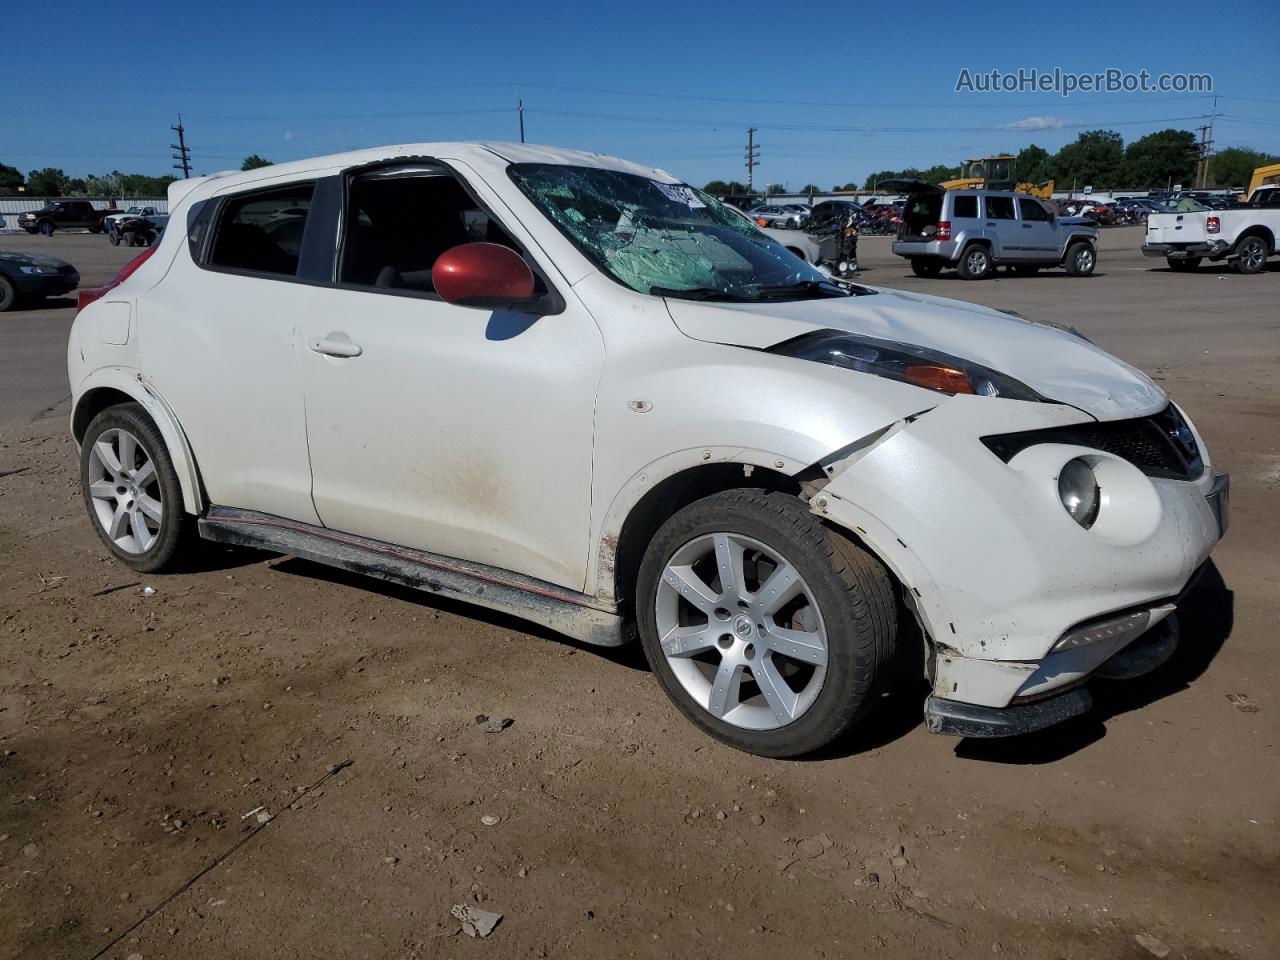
column 1161, row 445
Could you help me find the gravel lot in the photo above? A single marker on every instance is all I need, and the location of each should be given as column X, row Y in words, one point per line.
column 137, row 731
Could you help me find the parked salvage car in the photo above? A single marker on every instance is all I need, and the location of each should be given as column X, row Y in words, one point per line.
column 28, row 278
column 576, row 389
column 776, row 215
column 1244, row 234
column 976, row 231
column 63, row 214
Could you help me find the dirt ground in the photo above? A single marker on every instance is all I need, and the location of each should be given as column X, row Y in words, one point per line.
column 137, row 734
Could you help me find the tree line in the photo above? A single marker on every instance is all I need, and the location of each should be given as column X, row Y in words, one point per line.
column 1097, row 158
column 53, row 182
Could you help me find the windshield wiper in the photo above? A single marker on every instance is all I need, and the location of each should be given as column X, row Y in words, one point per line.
column 698, row 293
column 822, row 288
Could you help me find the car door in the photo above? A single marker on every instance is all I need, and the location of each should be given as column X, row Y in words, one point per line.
column 461, row 431
column 1002, row 227
column 219, row 342
column 1039, row 236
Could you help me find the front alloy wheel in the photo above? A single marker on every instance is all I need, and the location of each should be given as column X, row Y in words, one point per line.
column 750, row 650
column 767, row 629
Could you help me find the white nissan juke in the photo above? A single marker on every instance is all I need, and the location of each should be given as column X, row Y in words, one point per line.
column 576, row 389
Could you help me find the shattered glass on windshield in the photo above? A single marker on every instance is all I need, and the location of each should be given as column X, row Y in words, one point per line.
column 666, row 239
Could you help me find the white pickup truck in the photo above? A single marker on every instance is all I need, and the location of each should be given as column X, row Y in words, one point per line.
column 1246, row 235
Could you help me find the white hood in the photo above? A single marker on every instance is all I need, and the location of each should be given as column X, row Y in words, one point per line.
column 1057, row 364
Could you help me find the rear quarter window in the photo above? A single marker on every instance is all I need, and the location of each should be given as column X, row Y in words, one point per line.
column 964, row 208
column 262, row 232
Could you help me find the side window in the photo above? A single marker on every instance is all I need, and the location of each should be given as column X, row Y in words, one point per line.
column 965, row 207
column 398, row 221
column 1032, row 210
column 1000, row 208
column 262, row 232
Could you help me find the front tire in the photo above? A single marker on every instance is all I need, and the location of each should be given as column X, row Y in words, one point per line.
column 769, row 631
column 975, row 262
column 1081, row 259
column 131, row 490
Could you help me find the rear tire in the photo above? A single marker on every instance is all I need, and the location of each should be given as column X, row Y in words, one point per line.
column 131, row 490
column 1081, row 259
column 1183, row 264
column 1251, row 255
column 975, row 262
column 925, row 268
column 8, row 295
column 844, row 626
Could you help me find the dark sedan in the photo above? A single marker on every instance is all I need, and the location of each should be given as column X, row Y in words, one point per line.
column 25, row 277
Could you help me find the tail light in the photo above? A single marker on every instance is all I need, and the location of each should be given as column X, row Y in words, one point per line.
column 944, row 229
column 1212, row 225
column 89, row 295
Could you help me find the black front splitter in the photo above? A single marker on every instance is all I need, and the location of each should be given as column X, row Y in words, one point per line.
column 955, row 719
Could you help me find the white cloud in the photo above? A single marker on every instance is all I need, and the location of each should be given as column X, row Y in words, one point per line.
column 288, row 134
column 1035, row 123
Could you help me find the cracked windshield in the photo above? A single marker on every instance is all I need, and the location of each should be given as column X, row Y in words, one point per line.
column 667, row 239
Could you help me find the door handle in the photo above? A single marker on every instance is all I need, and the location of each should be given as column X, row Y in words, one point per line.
column 332, row 346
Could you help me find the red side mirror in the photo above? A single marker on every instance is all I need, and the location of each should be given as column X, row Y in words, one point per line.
column 483, row 275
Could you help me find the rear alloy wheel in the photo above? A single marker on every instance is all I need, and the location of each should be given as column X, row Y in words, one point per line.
column 8, row 296
column 768, row 631
column 975, row 263
column 131, row 489
column 925, row 268
column 1251, row 255
column 1081, row 259
column 1182, row 264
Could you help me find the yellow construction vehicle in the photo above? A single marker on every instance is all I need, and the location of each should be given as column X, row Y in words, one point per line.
column 1262, row 177
column 995, row 173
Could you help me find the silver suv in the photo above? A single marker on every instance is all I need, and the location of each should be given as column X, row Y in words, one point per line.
column 977, row 230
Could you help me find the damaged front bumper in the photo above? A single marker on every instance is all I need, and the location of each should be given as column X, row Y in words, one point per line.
column 1020, row 603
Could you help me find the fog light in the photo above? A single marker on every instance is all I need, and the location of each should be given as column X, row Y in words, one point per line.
column 1078, row 489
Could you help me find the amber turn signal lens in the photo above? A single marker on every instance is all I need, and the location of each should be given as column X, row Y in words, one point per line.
column 947, row 379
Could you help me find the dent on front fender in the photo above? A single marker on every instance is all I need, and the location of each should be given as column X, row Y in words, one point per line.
column 955, row 524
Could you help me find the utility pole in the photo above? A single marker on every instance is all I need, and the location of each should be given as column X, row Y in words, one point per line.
column 1206, row 148
column 520, row 110
column 183, row 155
column 753, row 155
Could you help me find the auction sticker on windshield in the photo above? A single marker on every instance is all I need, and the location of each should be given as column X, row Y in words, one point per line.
column 678, row 193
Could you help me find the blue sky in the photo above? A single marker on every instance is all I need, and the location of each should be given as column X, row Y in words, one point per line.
column 672, row 85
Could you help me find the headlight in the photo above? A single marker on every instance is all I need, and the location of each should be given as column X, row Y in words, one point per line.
column 905, row 363
column 1078, row 490
column 39, row 270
